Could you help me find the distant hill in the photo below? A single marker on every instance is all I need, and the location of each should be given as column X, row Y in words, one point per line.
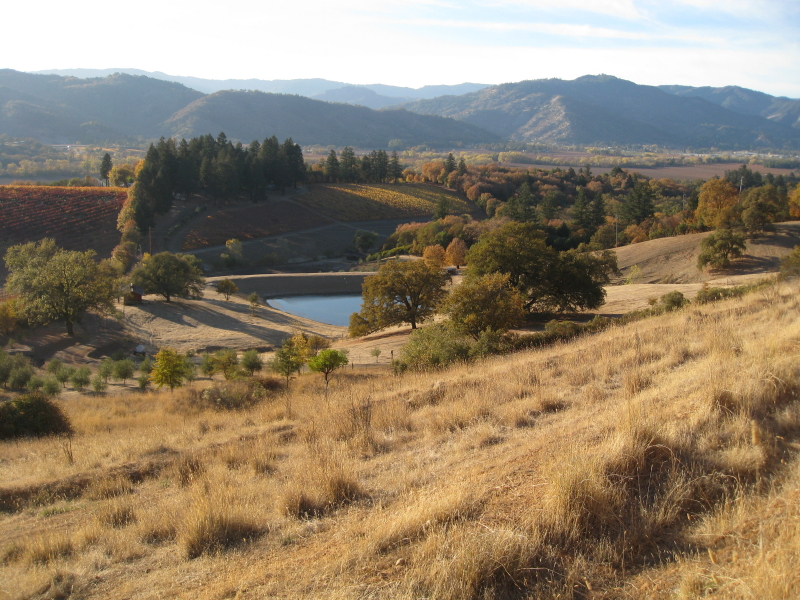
column 251, row 115
column 56, row 109
column 303, row 87
column 744, row 101
column 606, row 110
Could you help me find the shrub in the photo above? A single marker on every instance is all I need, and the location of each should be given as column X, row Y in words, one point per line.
column 80, row 379
column 51, row 387
column 251, row 361
column 790, row 265
column 99, row 384
column 19, row 376
column 231, row 395
column 673, row 301
column 32, row 415
column 434, row 347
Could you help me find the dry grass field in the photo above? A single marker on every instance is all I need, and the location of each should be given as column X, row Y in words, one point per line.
column 652, row 460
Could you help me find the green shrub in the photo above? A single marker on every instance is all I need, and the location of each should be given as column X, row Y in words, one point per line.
column 35, row 383
column 99, row 384
column 562, row 330
column 230, row 395
column 673, row 301
column 19, row 376
column 714, row 294
column 434, row 347
column 32, row 415
column 80, row 378
column 51, row 387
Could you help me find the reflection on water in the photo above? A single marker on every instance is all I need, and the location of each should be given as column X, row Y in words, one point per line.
column 333, row 310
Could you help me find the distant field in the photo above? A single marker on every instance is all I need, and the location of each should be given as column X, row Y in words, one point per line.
column 249, row 222
column 78, row 218
column 357, row 202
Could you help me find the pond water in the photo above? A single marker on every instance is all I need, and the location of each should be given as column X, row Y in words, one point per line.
column 333, row 310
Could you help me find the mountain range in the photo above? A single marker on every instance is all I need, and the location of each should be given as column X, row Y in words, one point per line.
column 593, row 110
column 605, row 110
column 58, row 109
column 376, row 95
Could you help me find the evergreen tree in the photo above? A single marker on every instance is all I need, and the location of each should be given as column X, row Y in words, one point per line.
column 449, row 164
column 348, row 165
column 639, row 205
column 332, row 167
column 395, row 168
column 105, row 167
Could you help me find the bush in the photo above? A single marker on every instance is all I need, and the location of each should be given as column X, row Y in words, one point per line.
column 19, row 376
column 673, row 301
column 99, row 384
column 713, row 294
column 719, row 248
column 231, row 395
column 80, row 379
column 35, row 383
column 51, row 387
column 32, row 415
column 434, row 347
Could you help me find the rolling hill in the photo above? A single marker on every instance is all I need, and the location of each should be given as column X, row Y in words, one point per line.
column 607, row 110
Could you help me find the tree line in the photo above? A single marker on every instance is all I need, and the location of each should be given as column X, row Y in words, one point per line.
column 375, row 167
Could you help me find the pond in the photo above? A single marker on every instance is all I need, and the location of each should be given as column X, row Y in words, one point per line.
column 333, row 310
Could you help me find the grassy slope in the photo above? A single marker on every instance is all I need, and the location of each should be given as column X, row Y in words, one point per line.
column 600, row 468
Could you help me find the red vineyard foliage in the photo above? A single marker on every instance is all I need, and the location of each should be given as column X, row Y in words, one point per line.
column 78, row 218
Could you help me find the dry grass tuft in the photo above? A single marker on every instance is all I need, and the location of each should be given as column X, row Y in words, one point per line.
column 116, row 514
column 212, row 523
column 105, row 488
column 47, row 548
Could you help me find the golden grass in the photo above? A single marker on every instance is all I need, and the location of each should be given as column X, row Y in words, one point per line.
column 613, row 462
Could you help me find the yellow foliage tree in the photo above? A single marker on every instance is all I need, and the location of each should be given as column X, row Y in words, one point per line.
column 456, row 252
column 434, row 255
column 716, row 203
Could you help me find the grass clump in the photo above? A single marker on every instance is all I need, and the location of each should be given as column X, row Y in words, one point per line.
column 212, row 524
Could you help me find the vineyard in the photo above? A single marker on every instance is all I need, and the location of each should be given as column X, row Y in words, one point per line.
column 248, row 223
column 357, row 202
column 77, row 218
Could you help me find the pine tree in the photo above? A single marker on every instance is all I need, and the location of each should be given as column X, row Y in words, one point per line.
column 105, row 167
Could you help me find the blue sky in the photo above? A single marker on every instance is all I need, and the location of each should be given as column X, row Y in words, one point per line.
column 752, row 43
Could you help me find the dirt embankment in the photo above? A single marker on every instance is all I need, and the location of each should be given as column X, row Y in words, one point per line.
column 296, row 284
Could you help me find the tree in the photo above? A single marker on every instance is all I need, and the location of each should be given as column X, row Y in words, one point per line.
column 170, row 275
column 401, row 292
column 8, row 317
column 718, row 248
column 434, row 255
column 226, row 287
column 289, row 359
column 442, row 207
column 251, row 361
column 395, row 168
column 763, row 206
column 55, row 284
column 639, row 205
column 485, row 303
column 550, row 281
column 332, row 167
column 456, row 252
column 364, row 240
column 326, row 362
column 716, row 203
column 123, row 370
column 169, row 369
column 105, row 167
column 80, row 378
column 376, row 352
column 254, row 301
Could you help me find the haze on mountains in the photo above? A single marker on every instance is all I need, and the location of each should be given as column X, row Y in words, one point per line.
column 59, row 109
column 322, row 89
column 599, row 110
column 605, row 110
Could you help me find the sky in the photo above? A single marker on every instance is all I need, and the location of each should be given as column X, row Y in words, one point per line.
column 751, row 43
